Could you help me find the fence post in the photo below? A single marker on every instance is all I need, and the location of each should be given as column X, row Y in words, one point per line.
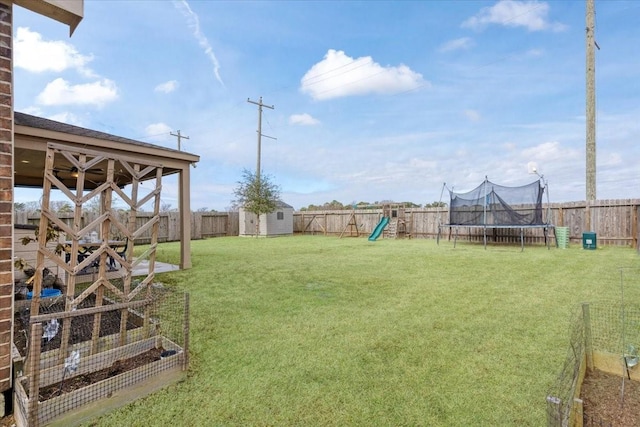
column 635, row 225
column 588, row 347
column 554, row 411
column 34, row 374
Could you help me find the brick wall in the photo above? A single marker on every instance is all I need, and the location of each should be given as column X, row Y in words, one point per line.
column 6, row 192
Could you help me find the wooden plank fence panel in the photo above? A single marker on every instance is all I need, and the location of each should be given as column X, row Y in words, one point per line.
column 615, row 222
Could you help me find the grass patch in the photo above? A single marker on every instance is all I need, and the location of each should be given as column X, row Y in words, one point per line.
column 330, row 332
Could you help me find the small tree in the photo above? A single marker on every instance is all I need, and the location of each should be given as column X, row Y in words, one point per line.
column 257, row 194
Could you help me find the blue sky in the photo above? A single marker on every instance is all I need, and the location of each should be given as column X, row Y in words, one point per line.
column 373, row 100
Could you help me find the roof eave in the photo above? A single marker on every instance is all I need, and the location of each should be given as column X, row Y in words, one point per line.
column 145, row 150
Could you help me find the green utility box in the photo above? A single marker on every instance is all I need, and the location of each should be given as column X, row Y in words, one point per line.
column 589, row 240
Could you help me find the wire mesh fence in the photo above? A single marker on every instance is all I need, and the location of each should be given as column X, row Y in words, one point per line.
column 74, row 357
column 560, row 396
column 604, row 336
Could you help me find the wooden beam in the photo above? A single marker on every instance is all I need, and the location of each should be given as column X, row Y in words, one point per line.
column 65, row 11
column 185, row 218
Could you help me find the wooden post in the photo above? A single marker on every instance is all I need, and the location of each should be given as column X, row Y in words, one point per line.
column 34, row 373
column 71, row 281
column 578, row 410
column 635, row 227
column 591, row 103
column 325, row 224
column 588, row 347
column 97, row 319
column 560, row 217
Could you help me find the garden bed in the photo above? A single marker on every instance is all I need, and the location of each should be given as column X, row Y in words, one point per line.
column 605, row 404
column 102, row 382
column 111, row 368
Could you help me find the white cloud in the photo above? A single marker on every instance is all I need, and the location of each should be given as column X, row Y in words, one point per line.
column 472, row 115
column 167, row 87
column 462, row 43
column 303, row 119
column 612, row 159
column 33, row 110
column 513, row 13
column 60, row 92
column 66, row 117
column 535, row 53
column 550, row 152
column 157, row 129
column 34, row 54
column 339, row 75
column 194, row 23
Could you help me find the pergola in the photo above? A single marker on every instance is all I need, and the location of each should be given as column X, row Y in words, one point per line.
column 33, row 136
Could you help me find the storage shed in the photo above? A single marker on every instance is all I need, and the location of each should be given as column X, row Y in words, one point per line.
column 277, row 223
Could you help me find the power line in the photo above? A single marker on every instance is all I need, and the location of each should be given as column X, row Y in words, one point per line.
column 307, row 80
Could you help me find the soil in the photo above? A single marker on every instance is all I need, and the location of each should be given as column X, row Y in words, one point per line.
column 603, row 402
column 80, row 381
column 118, row 367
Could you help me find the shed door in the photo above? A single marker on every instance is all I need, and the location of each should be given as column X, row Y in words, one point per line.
column 249, row 223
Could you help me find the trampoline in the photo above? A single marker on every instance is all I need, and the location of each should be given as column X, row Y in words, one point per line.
column 494, row 206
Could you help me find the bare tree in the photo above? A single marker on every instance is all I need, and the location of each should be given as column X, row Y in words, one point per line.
column 33, row 206
column 167, row 207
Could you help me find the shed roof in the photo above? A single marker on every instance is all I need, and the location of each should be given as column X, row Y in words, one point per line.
column 282, row 204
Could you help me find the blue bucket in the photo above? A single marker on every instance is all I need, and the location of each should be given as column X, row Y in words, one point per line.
column 46, row 293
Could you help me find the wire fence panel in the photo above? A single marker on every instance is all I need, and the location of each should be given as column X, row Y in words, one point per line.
column 604, row 336
column 561, row 394
column 112, row 347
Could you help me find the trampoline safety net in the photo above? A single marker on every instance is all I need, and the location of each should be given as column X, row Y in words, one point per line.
column 491, row 204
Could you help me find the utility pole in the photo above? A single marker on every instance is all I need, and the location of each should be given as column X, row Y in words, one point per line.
column 591, row 104
column 260, row 105
column 179, row 136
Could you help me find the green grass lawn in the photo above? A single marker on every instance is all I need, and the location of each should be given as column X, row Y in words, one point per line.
column 321, row 331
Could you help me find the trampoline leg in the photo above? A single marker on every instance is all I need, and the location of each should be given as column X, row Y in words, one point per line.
column 546, row 238
column 522, row 240
column 455, row 238
column 485, row 238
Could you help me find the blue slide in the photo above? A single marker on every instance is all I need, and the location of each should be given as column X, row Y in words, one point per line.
column 378, row 230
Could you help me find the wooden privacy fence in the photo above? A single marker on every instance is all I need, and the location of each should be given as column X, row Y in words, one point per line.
column 203, row 224
column 615, row 222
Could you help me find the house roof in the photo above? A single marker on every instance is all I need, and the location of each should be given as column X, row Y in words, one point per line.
column 22, row 119
column 32, row 134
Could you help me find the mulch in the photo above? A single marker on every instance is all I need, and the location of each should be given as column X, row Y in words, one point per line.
column 604, row 402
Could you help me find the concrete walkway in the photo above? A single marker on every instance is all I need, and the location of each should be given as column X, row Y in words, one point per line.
column 142, row 269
